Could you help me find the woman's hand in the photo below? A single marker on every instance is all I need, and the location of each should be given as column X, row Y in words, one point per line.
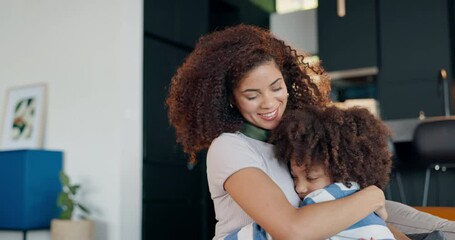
column 378, row 194
column 382, row 213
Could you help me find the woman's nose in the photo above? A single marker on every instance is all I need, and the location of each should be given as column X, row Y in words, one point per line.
column 267, row 101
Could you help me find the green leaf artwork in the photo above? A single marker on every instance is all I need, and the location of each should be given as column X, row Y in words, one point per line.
column 24, row 115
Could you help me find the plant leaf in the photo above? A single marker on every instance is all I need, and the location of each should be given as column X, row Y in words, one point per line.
column 73, row 189
column 66, row 214
column 64, row 179
column 62, row 199
column 83, row 208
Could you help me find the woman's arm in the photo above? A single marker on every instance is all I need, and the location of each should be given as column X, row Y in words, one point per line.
column 264, row 201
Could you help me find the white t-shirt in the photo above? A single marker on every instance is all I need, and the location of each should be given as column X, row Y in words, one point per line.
column 229, row 153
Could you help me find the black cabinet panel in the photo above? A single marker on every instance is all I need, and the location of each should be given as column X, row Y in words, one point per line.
column 414, row 39
column 347, row 42
column 176, row 202
column 415, row 46
column 407, row 99
column 181, row 21
column 177, row 219
column 160, row 64
column 170, row 181
column 224, row 13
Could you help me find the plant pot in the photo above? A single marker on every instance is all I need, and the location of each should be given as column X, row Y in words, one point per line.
column 72, row 229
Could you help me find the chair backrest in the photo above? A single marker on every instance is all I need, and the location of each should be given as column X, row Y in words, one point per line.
column 434, row 140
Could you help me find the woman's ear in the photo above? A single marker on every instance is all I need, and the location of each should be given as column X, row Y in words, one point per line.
column 231, row 101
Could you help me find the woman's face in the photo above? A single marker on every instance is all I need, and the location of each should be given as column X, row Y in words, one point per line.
column 261, row 96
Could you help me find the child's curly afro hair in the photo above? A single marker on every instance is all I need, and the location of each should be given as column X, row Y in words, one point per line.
column 351, row 144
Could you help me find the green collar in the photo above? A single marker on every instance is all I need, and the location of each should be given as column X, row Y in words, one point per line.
column 255, row 132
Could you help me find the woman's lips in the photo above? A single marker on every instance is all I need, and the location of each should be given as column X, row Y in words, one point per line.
column 269, row 116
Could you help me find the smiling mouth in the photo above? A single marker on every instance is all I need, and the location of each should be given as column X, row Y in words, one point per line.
column 270, row 115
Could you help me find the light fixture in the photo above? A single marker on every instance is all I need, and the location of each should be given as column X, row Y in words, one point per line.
column 341, row 8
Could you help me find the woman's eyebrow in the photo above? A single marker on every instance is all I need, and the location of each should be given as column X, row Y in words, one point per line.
column 250, row 90
column 278, row 79
column 257, row 90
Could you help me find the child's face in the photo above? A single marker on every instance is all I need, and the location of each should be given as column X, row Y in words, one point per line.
column 304, row 183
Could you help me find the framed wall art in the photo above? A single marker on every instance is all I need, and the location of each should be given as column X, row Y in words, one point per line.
column 24, row 118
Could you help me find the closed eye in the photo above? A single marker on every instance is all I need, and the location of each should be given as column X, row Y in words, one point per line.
column 277, row 89
column 276, row 85
column 292, row 175
column 312, row 178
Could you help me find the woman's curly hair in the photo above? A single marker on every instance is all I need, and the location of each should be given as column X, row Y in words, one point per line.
column 351, row 144
column 201, row 91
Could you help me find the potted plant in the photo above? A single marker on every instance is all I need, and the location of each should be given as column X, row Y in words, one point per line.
column 68, row 226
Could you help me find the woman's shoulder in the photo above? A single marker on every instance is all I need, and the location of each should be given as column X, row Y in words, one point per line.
column 231, row 145
column 235, row 136
column 229, row 153
column 237, row 140
column 231, row 141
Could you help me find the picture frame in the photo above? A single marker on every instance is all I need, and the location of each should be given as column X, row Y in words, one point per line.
column 24, row 118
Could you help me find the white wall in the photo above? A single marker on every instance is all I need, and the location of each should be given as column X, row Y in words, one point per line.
column 89, row 53
column 299, row 29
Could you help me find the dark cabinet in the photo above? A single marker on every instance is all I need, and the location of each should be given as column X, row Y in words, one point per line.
column 176, row 202
column 414, row 47
column 348, row 42
column 179, row 21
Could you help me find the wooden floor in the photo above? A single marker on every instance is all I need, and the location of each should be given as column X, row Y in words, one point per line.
column 443, row 212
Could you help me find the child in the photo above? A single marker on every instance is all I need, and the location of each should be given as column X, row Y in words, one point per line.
column 332, row 153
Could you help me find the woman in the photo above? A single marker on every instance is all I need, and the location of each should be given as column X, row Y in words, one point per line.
column 228, row 94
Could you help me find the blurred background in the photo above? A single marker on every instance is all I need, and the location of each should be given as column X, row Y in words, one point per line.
column 107, row 66
column 392, row 57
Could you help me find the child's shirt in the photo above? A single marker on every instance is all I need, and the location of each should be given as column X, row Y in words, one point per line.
column 372, row 226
